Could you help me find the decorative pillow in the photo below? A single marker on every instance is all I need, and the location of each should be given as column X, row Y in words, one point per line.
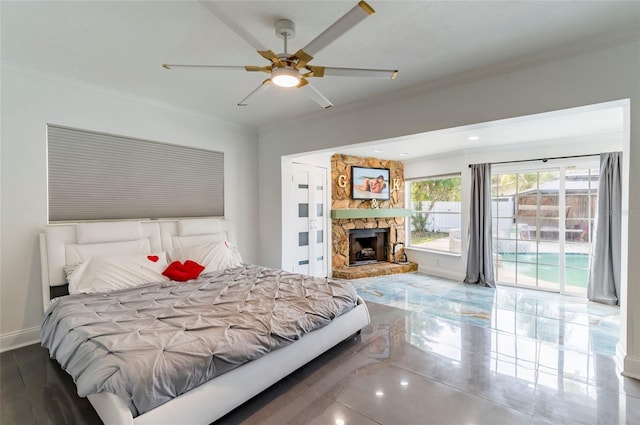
column 183, row 272
column 213, row 256
column 105, row 274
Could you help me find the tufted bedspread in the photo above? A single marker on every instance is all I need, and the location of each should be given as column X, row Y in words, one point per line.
column 152, row 343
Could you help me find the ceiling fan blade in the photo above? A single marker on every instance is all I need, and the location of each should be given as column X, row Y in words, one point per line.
column 303, row 59
column 223, row 67
column 218, row 10
column 361, row 72
column 252, row 68
column 314, row 71
column 262, row 87
column 353, row 17
column 315, row 95
column 270, row 55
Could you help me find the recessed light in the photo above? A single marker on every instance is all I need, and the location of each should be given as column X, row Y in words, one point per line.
column 404, row 383
column 379, row 393
column 340, row 422
column 403, row 154
column 377, row 150
column 473, row 138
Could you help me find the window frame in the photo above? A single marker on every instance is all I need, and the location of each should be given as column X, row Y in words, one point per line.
column 409, row 226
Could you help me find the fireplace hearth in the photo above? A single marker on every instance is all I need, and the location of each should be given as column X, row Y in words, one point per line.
column 367, row 246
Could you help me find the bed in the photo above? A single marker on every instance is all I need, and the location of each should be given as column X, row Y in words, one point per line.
column 64, row 245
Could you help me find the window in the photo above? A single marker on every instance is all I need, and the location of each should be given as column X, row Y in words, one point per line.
column 435, row 214
column 97, row 176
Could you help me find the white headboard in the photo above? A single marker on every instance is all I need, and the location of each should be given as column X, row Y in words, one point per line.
column 57, row 241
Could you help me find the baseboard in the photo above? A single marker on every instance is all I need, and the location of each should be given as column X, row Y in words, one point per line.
column 17, row 339
column 441, row 273
column 629, row 366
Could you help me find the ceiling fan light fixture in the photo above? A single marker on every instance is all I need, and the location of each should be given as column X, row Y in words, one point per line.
column 285, row 77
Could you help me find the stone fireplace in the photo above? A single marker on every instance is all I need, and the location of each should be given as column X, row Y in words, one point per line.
column 384, row 231
column 363, row 232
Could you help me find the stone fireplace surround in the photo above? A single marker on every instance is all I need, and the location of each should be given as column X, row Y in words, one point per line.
column 341, row 199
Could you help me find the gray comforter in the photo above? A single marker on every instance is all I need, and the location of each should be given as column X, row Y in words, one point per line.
column 152, row 343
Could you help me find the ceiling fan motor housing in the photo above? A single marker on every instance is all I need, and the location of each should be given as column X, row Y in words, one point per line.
column 285, row 29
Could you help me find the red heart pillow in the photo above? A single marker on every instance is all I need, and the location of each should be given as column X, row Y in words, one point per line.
column 183, row 272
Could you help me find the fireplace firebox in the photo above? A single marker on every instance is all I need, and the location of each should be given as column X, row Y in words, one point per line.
column 367, row 246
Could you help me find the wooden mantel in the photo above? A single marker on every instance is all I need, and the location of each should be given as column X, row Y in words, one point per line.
column 348, row 213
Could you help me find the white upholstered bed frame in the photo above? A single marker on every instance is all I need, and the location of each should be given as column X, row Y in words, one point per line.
column 212, row 400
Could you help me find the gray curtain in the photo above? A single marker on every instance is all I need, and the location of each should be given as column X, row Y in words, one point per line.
column 480, row 252
column 604, row 276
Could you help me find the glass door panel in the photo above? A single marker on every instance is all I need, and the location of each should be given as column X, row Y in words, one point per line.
column 580, row 199
column 576, row 273
column 309, row 184
column 542, row 227
column 526, row 274
column 548, row 276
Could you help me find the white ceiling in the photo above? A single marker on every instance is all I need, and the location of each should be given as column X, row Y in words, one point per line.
column 122, row 44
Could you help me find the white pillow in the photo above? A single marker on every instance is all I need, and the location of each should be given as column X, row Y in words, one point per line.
column 213, row 256
column 69, row 270
column 112, row 231
column 182, row 241
column 199, row 226
column 79, row 253
column 105, row 274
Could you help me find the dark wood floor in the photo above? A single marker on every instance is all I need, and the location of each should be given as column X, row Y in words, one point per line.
column 35, row 390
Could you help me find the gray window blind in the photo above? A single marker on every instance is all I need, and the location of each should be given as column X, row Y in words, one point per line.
column 96, row 176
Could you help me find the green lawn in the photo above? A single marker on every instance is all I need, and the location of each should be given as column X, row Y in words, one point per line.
column 422, row 237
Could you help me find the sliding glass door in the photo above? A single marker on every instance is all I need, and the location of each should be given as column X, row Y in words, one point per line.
column 542, row 225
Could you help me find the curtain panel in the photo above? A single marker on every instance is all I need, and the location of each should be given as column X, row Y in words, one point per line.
column 480, row 252
column 604, row 276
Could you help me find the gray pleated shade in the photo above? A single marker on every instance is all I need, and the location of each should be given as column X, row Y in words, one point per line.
column 97, row 176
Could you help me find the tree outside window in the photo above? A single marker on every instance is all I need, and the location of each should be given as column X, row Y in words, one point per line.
column 436, row 219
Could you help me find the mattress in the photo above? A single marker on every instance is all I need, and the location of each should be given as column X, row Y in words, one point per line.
column 152, row 343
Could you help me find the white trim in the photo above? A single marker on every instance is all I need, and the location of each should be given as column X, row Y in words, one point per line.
column 17, row 339
column 441, row 272
column 434, row 251
column 627, row 365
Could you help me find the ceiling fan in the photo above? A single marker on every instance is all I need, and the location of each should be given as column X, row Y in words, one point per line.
column 293, row 69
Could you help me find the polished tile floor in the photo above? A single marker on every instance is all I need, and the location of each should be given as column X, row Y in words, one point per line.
column 436, row 352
